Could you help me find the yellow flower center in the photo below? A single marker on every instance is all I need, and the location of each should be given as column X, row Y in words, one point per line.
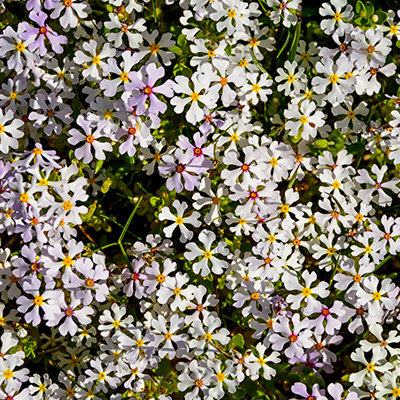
column 154, row 48
column 2, row 129
column 160, row 278
column 13, row 95
column 254, row 296
column 223, row 81
column 368, row 249
column 96, row 60
column 207, row 254
column 273, row 162
column 351, row 114
column 168, row 336
column 19, row 47
column 242, row 221
column 211, row 53
column 290, row 78
column 330, row 251
column 67, row 205
column 306, row 292
column 256, row 88
column 67, row 261
column 179, row 221
column 8, row 374
column 370, row 367
column 231, row 13
column 308, row 94
column 42, row 387
column 177, row 291
column 334, row 78
column 285, row 208
column 243, row 63
column 305, row 56
column 194, row 96
column 208, row 337
column 102, row 376
column 234, row 137
column 370, row 49
column 43, row 182
column 336, row 185
column 220, row 376
column 396, row 390
column 357, row 278
column 116, row 323
column 393, row 29
column 139, row 343
column 108, row 114
column 124, row 77
column 38, row 300
column 24, row 197
column 303, row 119
column 337, row 17
column 376, row 296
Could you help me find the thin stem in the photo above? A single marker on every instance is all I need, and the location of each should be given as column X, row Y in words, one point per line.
column 126, row 228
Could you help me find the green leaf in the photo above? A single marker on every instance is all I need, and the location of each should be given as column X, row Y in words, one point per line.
column 228, row 49
column 321, row 144
column 382, row 16
column 164, row 368
column 182, row 42
column 154, row 200
column 98, row 165
column 177, row 50
column 360, row 8
column 296, row 38
column 370, row 8
column 237, row 342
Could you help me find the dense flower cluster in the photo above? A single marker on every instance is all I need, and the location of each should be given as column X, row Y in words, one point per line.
column 256, row 148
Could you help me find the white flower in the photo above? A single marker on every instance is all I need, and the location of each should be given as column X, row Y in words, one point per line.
column 336, row 24
column 305, row 120
column 179, row 220
column 294, row 82
column 9, row 131
column 207, row 238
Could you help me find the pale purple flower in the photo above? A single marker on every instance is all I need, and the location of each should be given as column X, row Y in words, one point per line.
column 298, row 336
column 50, row 108
column 70, row 311
column 40, row 33
column 144, row 89
column 301, row 390
column 184, row 167
column 94, row 281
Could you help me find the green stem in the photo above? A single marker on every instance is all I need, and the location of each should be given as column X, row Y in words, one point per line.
column 112, row 244
column 126, row 228
column 380, row 264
